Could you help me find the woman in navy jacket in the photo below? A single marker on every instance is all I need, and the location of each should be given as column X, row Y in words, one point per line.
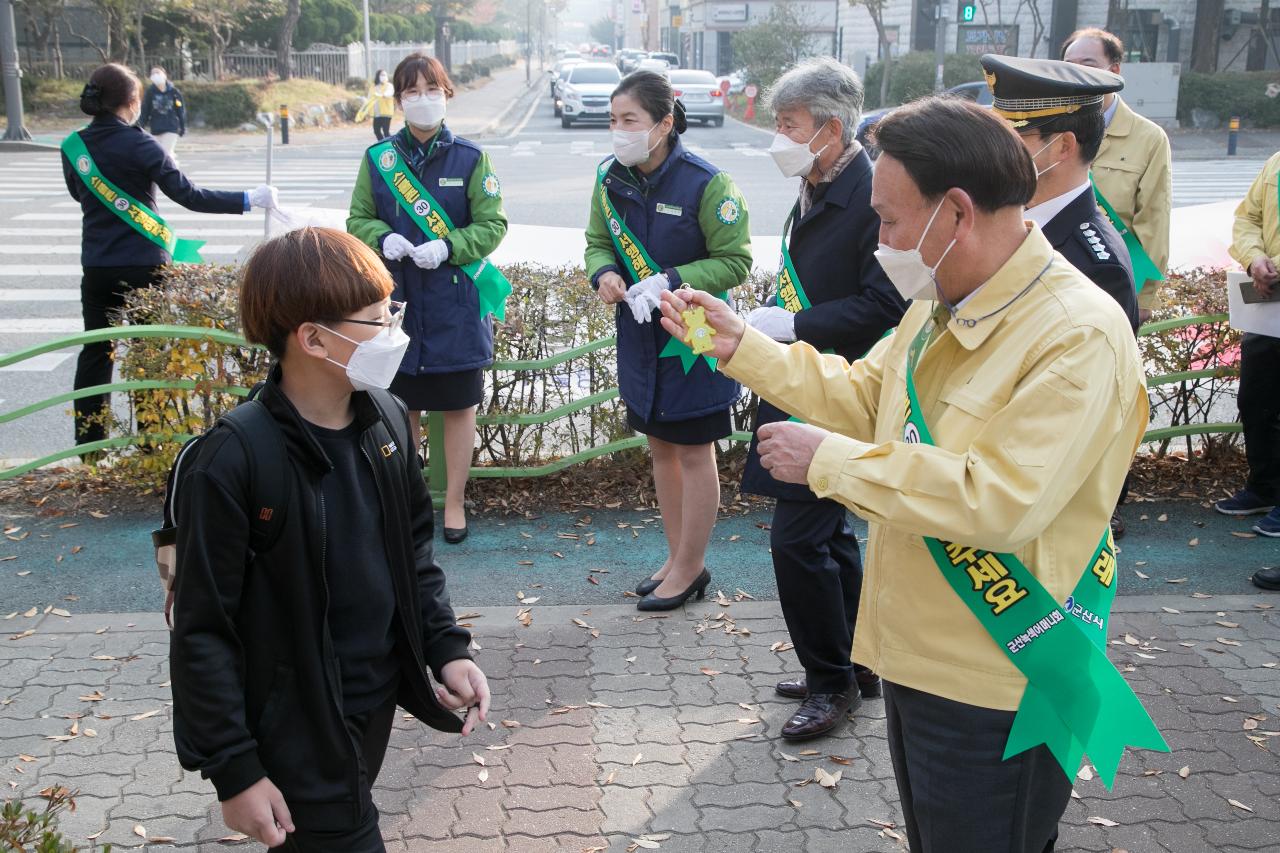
column 661, row 218
column 450, row 331
column 115, row 256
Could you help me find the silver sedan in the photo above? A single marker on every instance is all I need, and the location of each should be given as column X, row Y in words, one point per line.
column 699, row 91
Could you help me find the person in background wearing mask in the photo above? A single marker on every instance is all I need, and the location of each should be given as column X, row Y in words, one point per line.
column 431, row 203
column 661, row 218
column 985, row 441
column 112, row 168
column 833, row 295
column 1255, row 245
column 164, row 114
column 381, row 104
column 1056, row 109
column 288, row 663
column 1133, row 171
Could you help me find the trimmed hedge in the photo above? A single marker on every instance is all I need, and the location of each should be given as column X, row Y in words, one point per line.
column 222, row 105
column 913, row 75
column 1230, row 93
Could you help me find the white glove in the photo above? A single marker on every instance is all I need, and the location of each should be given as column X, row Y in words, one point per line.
column 396, row 247
column 645, row 296
column 778, row 323
column 430, row 255
column 264, row 196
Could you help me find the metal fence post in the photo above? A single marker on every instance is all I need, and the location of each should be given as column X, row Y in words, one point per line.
column 437, row 473
column 266, row 119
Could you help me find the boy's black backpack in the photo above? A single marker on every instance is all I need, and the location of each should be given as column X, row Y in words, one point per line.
column 269, row 479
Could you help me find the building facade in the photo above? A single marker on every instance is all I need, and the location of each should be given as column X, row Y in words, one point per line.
column 701, row 31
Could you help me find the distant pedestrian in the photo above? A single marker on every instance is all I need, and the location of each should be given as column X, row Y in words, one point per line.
column 430, row 202
column 380, row 104
column 113, row 167
column 289, row 659
column 662, row 217
column 164, row 113
column 1256, row 245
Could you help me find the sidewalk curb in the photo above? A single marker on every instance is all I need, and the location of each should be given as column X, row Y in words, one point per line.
column 531, row 86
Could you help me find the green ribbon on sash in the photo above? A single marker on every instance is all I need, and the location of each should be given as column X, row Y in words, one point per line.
column 639, row 265
column 137, row 215
column 1075, row 702
column 428, row 215
column 1144, row 268
column 791, row 293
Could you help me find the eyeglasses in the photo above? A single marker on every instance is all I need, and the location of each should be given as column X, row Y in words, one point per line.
column 395, row 314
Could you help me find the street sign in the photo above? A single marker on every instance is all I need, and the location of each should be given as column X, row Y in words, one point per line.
column 751, row 91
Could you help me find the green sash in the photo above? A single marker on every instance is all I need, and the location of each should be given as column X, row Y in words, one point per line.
column 1144, row 269
column 791, row 293
column 427, row 214
column 639, row 265
column 141, row 218
column 1075, row 701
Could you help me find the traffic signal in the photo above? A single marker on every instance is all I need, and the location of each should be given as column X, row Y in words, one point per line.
column 968, row 11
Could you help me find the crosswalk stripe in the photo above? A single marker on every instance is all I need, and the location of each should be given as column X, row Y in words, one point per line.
column 49, row 294
column 43, row 363
column 40, row 270
column 76, row 232
column 176, row 216
column 42, row 325
column 67, row 249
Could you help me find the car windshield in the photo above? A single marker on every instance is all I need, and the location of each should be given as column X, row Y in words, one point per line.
column 594, row 75
column 695, row 78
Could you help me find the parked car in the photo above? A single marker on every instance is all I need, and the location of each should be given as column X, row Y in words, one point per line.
column 559, row 70
column 601, row 51
column 584, row 94
column 628, row 57
column 977, row 91
column 671, row 59
column 651, row 64
column 699, row 91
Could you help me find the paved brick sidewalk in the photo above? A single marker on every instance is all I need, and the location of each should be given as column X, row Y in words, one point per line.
column 660, row 726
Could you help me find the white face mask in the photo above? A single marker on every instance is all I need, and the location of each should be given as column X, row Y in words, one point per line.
column 382, row 78
column 423, row 111
column 794, row 158
column 1043, row 149
column 158, row 79
column 373, row 363
column 911, row 276
column 632, row 146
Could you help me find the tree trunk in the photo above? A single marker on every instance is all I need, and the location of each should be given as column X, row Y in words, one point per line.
column 142, row 47
column 284, row 40
column 1257, row 60
column 1204, row 45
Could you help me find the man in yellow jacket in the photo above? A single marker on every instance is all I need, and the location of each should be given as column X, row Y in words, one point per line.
column 1256, row 245
column 1133, row 169
column 1031, row 390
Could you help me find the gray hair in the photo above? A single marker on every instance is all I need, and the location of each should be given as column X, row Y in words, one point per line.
column 826, row 88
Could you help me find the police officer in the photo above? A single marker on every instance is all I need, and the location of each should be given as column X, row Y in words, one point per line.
column 662, row 217
column 1056, row 109
column 431, row 203
column 112, row 168
column 832, row 294
column 1132, row 171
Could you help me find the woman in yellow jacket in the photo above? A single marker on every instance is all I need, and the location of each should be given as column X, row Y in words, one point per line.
column 381, row 104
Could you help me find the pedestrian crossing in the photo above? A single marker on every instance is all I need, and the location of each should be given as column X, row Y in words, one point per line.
column 1209, row 181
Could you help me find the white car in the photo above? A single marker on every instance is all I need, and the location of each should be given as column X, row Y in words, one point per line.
column 584, row 94
column 659, row 66
column 699, row 91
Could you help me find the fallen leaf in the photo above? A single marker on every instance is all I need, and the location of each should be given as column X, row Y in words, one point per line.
column 58, row 611
column 32, row 612
column 1250, row 725
column 1227, row 624
column 1162, row 517
column 1239, row 805
column 1175, row 580
column 795, row 803
column 234, row 838
column 636, row 760
column 1230, row 699
column 1194, row 542
column 96, row 514
column 1226, row 642
column 1131, row 640
column 1243, row 535
column 23, row 574
column 1142, row 575
column 478, row 759
column 710, row 673
column 1085, row 773
column 1170, row 610
column 825, row 779
column 1184, row 772
column 145, row 716
column 1102, row 821
column 1200, row 595
column 786, row 757
column 139, row 830
column 483, row 776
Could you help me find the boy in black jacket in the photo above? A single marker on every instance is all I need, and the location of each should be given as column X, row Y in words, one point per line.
column 287, row 665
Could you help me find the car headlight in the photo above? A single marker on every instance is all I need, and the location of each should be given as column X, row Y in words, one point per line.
column 571, row 93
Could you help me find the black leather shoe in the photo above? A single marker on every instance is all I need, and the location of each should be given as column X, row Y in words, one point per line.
column 1267, row 578
column 795, row 688
column 818, row 714
column 1117, row 526
column 454, row 535
column 868, row 682
column 647, row 586
column 698, row 588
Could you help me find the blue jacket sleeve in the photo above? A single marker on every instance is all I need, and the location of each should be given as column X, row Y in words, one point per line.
column 169, row 178
column 853, row 324
column 69, row 175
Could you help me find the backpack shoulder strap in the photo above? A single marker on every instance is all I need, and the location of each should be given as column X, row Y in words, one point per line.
column 267, row 455
column 396, row 417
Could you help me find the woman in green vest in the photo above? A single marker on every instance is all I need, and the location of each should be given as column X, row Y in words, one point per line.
column 662, row 218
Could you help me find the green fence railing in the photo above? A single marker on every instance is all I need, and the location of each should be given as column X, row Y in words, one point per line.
column 435, row 421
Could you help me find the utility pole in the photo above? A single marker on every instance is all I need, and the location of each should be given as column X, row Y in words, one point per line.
column 528, row 40
column 368, row 47
column 12, row 74
column 835, row 33
column 940, row 46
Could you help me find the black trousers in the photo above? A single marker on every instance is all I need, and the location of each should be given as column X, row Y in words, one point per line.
column 371, row 730
column 102, row 292
column 958, row 796
column 819, row 573
column 382, row 126
column 1259, row 401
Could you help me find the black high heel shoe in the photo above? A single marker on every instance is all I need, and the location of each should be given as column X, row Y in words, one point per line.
column 647, row 586
column 697, row 588
column 455, row 535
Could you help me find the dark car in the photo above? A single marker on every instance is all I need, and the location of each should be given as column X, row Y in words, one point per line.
column 978, row 92
column 671, row 59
